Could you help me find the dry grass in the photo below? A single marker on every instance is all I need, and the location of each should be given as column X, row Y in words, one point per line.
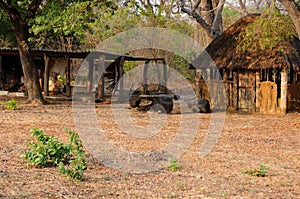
column 247, row 141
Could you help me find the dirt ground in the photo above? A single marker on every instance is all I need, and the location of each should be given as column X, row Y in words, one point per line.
column 247, row 140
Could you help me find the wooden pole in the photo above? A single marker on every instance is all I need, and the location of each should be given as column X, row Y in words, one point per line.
column 90, row 75
column 68, row 77
column 120, row 75
column 145, row 78
column 283, row 89
column 294, row 76
column 198, row 78
column 101, row 69
column 227, row 88
column 46, row 75
column 165, row 73
column 257, row 91
column 1, row 74
column 236, row 82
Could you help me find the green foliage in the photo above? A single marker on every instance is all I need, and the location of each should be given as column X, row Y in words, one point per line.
column 128, row 66
column 66, row 22
column 182, row 66
column 62, row 79
column 48, row 151
column 269, row 31
column 7, row 36
column 12, row 104
column 229, row 16
column 261, row 172
column 173, row 164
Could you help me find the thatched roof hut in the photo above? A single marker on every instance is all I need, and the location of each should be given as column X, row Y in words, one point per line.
column 223, row 50
column 245, row 73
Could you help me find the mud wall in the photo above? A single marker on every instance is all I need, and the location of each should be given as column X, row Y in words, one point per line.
column 293, row 101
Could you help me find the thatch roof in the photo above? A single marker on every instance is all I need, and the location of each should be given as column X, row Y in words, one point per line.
column 224, row 54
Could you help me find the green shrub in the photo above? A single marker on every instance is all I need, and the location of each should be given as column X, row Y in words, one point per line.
column 173, row 164
column 270, row 30
column 48, row 151
column 261, row 172
column 11, row 104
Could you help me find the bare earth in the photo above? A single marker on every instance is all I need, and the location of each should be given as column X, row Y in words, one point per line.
column 247, row 140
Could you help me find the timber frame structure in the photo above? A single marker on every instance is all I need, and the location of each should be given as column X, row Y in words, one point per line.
column 266, row 81
column 109, row 64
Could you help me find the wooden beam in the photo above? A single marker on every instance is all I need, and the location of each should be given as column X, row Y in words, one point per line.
column 46, row 74
column 198, row 78
column 101, row 70
column 120, row 75
column 145, row 77
column 236, row 92
column 68, row 77
column 165, row 68
column 227, row 87
column 90, row 75
column 1, row 73
column 257, row 91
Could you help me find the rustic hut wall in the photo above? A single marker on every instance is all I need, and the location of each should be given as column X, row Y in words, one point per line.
column 210, row 86
column 246, row 90
column 236, row 89
column 294, row 97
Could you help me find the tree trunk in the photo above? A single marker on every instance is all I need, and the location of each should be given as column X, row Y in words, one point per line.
column 30, row 71
column 294, row 12
column 208, row 13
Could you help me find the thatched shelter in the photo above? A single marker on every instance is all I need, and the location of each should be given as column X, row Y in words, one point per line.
column 265, row 80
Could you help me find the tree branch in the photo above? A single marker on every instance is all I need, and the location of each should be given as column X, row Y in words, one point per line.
column 197, row 4
column 235, row 8
column 33, row 8
column 216, row 30
column 294, row 12
column 196, row 16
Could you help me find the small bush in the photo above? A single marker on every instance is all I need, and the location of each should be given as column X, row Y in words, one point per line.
column 261, row 172
column 11, row 104
column 173, row 164
column 48, row 151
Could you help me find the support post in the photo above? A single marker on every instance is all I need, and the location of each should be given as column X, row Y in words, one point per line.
column 46, row 74
column 165, row 73
column 101, row 70
column 1, row 74
column 120, row 75
column 145, row 78
column 198, row 79
column 227, row 87
column 90, row 75
column 237, row 93
column 283, row 89
column 68, row 77
column 257, row 91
